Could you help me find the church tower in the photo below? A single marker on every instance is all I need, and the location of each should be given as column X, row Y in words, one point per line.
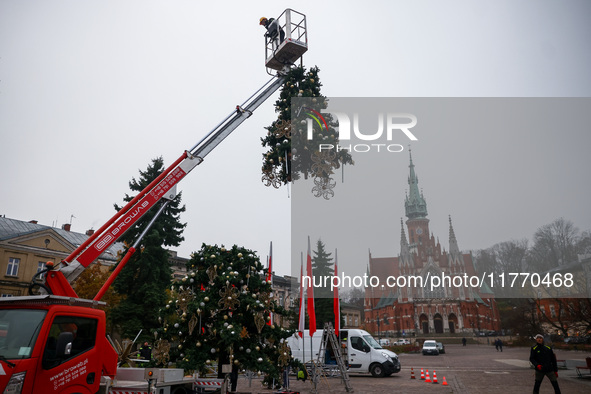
column 416, row 211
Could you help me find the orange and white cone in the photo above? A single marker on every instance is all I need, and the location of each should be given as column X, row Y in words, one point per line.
column 428, row 380
column 444, row 382
column 422, row 374
column 412, row 373
column 435, row 377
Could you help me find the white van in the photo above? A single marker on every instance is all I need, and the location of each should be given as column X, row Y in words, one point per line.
column 363, row 354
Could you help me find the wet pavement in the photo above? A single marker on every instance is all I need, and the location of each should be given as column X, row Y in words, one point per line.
column 469, row 369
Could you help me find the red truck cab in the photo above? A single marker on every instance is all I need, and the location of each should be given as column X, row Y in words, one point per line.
column 53, row 344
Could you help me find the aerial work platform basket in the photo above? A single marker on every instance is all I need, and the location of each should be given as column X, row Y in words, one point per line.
column 286, row 41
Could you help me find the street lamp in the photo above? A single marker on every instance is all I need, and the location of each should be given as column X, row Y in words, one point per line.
column 378, row 320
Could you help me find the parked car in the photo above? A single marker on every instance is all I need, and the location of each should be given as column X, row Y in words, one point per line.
column 440, row 347
column 402, row 342
column 384, row 342
column 430, row 347
column 575, row 340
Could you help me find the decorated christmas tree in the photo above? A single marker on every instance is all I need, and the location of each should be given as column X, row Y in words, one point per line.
column 219, row 313
column 291, row 154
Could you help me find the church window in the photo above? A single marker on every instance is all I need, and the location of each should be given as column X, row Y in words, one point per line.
column 432, row 292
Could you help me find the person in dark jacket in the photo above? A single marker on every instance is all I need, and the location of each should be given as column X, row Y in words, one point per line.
column 544, row 361
column 145, row 352
column 274, row 31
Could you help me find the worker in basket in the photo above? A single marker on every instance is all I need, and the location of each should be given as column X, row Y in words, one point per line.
column 273, row 29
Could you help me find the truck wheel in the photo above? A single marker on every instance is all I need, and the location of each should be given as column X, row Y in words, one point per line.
column 377, row 371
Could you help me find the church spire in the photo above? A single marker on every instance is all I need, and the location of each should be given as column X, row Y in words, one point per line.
column 415, row 204
column 454, row 249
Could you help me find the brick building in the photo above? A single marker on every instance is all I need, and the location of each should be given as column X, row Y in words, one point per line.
column 418, row 310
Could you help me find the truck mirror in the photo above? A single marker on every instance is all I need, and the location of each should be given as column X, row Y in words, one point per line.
column 64, row 344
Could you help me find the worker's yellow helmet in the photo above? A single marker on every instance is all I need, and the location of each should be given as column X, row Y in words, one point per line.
column 262, row 20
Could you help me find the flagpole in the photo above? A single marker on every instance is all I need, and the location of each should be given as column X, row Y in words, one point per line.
column 336, row 300
column 310, row 300
column 270, row 278
column 302, row 307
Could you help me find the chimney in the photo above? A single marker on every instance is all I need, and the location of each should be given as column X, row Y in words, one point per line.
column 66, row 226
column 33, row 221
column 89, row 232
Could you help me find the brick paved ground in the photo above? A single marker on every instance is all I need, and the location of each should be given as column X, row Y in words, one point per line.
column 470, row 369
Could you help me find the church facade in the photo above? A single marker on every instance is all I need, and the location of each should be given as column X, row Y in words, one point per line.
column 417, row 308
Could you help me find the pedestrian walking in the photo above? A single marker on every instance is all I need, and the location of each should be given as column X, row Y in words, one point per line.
column 544, row 361
column 464, row 341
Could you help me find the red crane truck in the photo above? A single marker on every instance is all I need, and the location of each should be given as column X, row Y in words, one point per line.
column 56, row 342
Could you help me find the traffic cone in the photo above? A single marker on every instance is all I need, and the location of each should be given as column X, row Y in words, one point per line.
column 428, row 380
column 422, row 374
column 444, row 382
column 412, row 373
column 435, row 377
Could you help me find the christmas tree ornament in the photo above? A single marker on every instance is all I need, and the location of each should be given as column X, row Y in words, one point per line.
column 323, row 187
column 259, row 321
column 161, row 351
column 192, row 324
column 212, row 273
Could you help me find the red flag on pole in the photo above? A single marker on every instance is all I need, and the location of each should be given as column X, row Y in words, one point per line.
column 270, row 263
column 270, row 277
column 302, row 320
column 337, row 302
column 310, row 294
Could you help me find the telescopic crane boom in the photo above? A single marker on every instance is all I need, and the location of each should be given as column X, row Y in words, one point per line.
column 164, row 186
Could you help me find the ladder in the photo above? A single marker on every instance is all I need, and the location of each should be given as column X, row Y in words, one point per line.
column 329, row 335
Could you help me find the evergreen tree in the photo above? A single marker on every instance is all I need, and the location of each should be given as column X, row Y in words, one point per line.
column 168, row 224
column 283, row 162
column 323, row 267
column 147, row 275
column 219, row 313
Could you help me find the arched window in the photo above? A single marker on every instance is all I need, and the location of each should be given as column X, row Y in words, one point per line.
column 430, row 291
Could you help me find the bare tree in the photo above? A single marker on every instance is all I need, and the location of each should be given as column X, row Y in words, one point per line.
column 519, row 316
column 354, row 296
column 557, row 316
column 580, row 309
column 502, row 258
column 555, row 244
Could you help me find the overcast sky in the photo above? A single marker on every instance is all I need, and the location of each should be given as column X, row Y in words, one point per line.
column 92, row 91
